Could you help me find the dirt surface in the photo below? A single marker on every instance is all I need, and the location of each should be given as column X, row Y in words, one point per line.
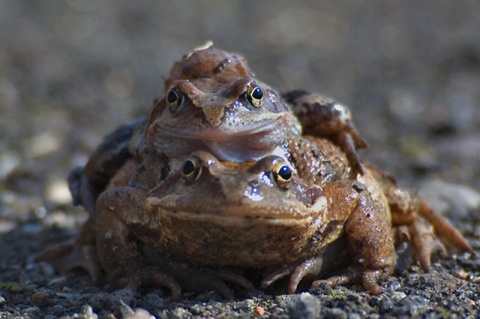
column 71, row 71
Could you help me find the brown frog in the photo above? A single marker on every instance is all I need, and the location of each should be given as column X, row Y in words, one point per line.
column 256, row 215
column 204, row 224
column 213, row 102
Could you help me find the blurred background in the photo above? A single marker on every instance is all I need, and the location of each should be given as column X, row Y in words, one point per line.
column 71, row 71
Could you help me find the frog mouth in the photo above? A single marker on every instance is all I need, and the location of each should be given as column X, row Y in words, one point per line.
column 266, row 125
column 236, row 215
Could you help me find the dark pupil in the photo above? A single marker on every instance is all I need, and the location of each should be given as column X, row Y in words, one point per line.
column 172, row 97
column 188, row 167
column 257, row 94
column 285, row 172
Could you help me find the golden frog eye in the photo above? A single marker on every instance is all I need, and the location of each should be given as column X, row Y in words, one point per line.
column 255, row 95
column 282, row 174
column 175, row 99
column 191, row 170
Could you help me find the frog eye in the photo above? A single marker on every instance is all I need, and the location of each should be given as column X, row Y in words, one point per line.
column 191, row 170
column 282, row 174
column 175, row 99
column 255, row 95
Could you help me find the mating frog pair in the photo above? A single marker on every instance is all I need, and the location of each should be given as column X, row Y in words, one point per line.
column 220, row 179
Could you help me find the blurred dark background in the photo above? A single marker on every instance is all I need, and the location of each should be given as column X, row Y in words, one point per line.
column 71, row 71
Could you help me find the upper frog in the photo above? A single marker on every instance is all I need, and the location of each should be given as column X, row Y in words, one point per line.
column 214, row 102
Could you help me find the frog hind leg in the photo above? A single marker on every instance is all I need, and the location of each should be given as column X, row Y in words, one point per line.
column 424, row 228
column 428, row 230
column 324, row 117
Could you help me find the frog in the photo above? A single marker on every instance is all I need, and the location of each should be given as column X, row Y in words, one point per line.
column 216, row 214
column 204, row 225
column 213, row 102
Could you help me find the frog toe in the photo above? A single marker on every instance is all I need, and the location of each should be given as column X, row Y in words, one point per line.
column 216, row 280
column 153, row 277
column 368, row 278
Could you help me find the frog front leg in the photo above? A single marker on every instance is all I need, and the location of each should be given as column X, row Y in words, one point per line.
column 117, row 247
column 369, row 238
column 324, row 117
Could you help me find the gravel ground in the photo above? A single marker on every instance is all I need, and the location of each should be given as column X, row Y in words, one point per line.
column 71, row 71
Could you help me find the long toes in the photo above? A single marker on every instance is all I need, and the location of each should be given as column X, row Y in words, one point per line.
column 443, row 228
column 368, row 278
column 370, row 281
column 276, row 275
column 423, row 242
column 221, row 287
column 154, row 278
column 340, row 280
column 236, row 279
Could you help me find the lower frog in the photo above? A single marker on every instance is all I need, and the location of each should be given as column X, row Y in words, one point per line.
column 203, row 225
column 253, row 215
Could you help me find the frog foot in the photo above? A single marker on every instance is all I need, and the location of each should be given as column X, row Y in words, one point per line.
column 356, row 274
column 315, row 267
column 429, row 232
column 324, row 117
column 331, row 256
column 183, row 276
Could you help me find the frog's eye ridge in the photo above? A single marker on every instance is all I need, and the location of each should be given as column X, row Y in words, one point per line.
column 191, row 170
column 175, row 99
column 255, row 95
column 282, row 174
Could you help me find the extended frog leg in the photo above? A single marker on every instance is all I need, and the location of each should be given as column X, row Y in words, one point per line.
column 117, row 250
column 424, row 226
column 443, row 228
column 323, row 117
